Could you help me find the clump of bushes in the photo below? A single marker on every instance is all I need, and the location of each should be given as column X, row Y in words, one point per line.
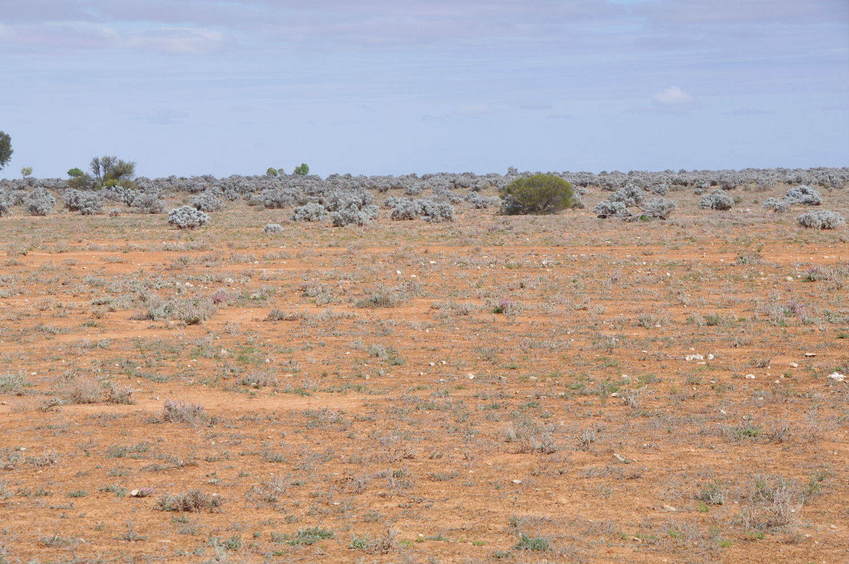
column 800, row 195
column 190, row 311
column 777, row 204
column 277, row 198
column 429, row 210
column 190, row 501
column 84, row 201
column 538, row 194
column 821, row 219
column 803, row 195
column 40, row 202
column 608, row 208
column 349, row 207
column 630, row 195
column 146, row 203
column 187, row 217
column 309, row 212
column 655, row 208
column 182, row 412
column 530, row 436
column 86, row 390
column 716, row 200
column 5, row 203
column 106, row 171
column 207, row 202
column 355, row 216
column 482, row 202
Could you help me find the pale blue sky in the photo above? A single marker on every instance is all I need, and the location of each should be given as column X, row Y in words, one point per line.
column 393, row 86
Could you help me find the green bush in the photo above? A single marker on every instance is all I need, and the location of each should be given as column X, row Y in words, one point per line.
column 538, row 194
column 5, row 149
column 302, row 169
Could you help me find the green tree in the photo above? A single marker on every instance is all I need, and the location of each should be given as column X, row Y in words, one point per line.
column 75, row 173
column 271, row 171
column 26, row 171
column 5, row 149
column 111, row 171
column 538, row 194
column 302, row 169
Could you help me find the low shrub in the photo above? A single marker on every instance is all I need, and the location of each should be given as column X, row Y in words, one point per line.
column 190, row 311
column 84, row 201
column 309, row 212
column 40, row 202
column 716, row 200
column 436, row 212
column 777, row 205
column 608, row 208
column 821, row 219
column 630, row 195
column 273, row 228
column 803, row 195
column 187, row 217
column 142, row 202
column 429, row 210
column 182, row 412
column 348, row 216
column 207, row 202
column 482, row 202
column 277, row 198
column 190, row 501
column 658, row 208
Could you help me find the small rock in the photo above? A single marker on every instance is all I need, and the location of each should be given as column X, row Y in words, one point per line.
column 837, row 377
column 517, row 481
column 794, row 365
column 750, row 376
column 669, row 508
column 810, row 355
column 141, row 492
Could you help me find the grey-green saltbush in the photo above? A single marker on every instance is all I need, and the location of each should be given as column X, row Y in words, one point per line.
column 207, row 202
column 658, row 208
column 187, row 217
column 40, row 202
column 607, row 209
column 716, row 200
column 309, row 212
column 84, row 201
column 803, row 195
column 821, row 219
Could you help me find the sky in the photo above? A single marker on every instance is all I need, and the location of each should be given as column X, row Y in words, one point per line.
column 190, row 87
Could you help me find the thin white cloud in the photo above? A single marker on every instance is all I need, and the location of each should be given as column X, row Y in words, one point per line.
column 673, row 96
column 182, row 40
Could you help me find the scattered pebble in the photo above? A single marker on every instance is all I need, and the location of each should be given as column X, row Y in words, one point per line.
column 837, row 377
